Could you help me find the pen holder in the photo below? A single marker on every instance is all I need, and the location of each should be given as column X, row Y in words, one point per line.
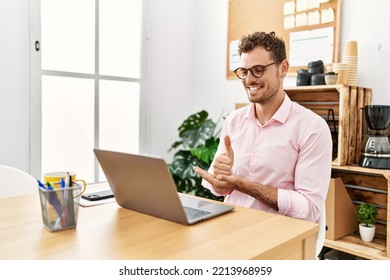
column 60, row 207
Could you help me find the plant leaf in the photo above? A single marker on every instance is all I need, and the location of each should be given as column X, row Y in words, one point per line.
column 193, row 122
column 196, row 137
column 183, row 163
column 195, row 130
column 206, row 152
column 367, row 213
column 198, row 142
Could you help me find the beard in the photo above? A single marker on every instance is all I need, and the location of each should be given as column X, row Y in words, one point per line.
column 269, row 93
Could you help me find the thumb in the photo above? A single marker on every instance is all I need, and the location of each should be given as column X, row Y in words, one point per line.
column 229, row 150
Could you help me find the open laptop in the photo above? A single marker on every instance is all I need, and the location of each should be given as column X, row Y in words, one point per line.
column 144, row 184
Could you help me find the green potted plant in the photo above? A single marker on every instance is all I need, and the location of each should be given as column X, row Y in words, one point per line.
column 197, row 144
column 331, row 78
column 367, row 215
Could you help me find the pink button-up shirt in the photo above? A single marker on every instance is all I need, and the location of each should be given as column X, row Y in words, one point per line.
column 292, row 152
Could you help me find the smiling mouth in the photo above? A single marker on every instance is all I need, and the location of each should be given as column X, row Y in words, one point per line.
column 253, row 88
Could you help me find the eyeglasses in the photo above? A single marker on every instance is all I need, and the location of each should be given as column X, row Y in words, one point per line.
column 256, row 70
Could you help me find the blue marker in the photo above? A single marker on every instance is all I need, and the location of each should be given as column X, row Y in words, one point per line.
column 41, row 184
column 53, row 198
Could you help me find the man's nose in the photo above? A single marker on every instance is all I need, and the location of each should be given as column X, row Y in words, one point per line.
column 250, row 77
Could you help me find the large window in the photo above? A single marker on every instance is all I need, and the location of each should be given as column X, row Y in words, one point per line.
column 91, row 56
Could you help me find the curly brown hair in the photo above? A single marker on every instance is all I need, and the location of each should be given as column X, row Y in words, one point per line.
column 269, row 41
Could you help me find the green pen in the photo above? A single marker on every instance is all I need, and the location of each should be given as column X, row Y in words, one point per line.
column 49, row 186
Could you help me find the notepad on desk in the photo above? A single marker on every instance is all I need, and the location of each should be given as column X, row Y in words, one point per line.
column 87, row 203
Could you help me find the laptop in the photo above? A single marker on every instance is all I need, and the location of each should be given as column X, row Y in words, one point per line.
column 144, row 184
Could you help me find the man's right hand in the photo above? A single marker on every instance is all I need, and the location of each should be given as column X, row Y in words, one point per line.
column 222, row 167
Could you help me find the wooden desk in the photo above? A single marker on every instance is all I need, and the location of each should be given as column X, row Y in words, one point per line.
column 110, row 232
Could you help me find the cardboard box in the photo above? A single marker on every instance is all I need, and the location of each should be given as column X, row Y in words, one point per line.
column 340, row 211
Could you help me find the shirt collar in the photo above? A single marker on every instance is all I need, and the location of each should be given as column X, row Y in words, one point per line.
column 280, row 115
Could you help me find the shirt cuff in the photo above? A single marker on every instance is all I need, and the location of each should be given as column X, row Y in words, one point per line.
column 283, row 201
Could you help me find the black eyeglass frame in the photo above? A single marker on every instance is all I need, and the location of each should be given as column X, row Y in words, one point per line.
column 263, row 67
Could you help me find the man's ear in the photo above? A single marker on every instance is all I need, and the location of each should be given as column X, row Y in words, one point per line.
column 284, row 66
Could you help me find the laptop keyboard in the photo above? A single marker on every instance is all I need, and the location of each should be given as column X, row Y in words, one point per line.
column 193, row 213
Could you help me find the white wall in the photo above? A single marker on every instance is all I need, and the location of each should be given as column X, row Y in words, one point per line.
column 367, row 22
column 170, row 71
column 212, row 91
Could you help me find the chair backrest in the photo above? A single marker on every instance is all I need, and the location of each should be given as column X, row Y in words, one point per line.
column 15, row 182
column 321, row 232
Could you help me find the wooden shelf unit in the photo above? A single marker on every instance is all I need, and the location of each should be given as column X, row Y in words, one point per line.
column 366, row 185
column 345, row 102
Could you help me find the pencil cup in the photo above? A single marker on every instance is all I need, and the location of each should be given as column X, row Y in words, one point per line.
column 60, row 207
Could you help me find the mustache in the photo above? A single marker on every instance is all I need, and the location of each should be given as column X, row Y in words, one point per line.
column 254, row 84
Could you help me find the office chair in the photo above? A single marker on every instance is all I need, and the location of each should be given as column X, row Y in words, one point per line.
column 15, row 182
column 321, row 232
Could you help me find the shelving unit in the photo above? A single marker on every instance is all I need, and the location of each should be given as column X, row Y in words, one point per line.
column 340, row 105
column 345, row 102
column 368, row 185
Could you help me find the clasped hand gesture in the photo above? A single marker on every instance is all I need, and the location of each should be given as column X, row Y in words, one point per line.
column 223, row 181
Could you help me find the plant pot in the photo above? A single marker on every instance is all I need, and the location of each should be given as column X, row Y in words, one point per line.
column 330, row 79
column 367, row 232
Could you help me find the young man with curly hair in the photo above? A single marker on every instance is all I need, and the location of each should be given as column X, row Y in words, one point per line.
column 275, row 155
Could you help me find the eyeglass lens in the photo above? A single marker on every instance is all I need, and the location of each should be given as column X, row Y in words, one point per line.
column 256, row 71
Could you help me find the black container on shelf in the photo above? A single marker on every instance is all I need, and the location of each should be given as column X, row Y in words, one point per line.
column 339, row 255
column 314, row 67
column 303, row 77
column 317, row 79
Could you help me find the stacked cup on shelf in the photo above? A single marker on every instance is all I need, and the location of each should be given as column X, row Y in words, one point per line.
column 350, row 57
column 342, row 71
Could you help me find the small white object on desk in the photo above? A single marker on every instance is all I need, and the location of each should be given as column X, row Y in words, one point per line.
column 95, row 188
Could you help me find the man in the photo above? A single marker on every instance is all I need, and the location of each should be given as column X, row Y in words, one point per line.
column 274, row 155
